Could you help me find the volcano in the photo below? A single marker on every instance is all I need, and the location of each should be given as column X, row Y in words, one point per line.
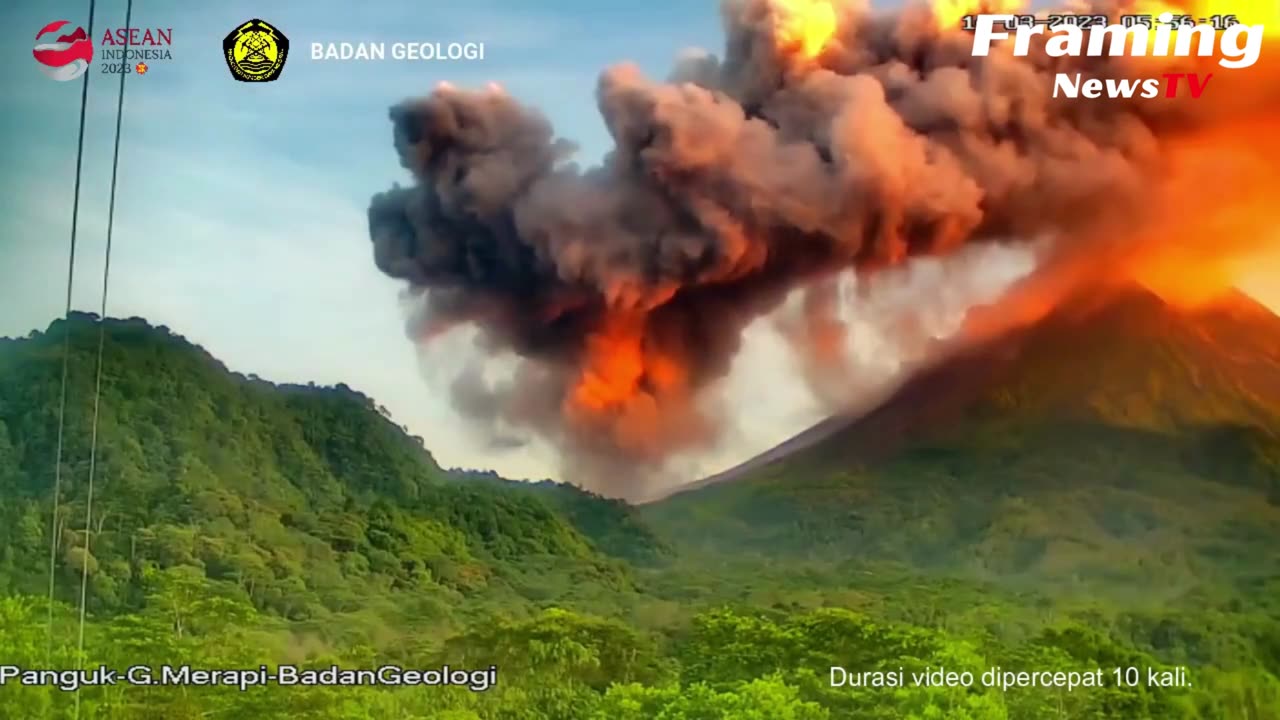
column 1118, row 429
column 1128, row 360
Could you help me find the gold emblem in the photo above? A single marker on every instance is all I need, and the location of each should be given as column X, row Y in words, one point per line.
column 255, row 52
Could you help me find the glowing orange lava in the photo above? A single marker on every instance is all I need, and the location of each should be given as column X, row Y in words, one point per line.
column 1221, row 218
column 629, row 389
column 1217, row 226
column 613, row 367
column 805, row 26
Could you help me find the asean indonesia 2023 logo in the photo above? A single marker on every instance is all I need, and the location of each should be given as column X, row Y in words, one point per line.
column 255, row 52
column 63, row 55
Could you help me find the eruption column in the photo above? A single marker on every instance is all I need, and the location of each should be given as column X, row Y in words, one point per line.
column 828, row 138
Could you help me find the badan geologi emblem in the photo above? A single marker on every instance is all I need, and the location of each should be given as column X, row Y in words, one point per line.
column 255, row 52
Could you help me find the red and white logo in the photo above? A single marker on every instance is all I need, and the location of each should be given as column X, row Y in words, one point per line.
column 63, row 57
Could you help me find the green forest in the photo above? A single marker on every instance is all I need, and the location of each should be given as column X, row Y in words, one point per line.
column 241, row 524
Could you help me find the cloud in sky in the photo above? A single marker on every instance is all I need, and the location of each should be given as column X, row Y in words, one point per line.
column 224, row 184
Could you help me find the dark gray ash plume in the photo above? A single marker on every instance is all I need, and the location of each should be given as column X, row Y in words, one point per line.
column 625, row 287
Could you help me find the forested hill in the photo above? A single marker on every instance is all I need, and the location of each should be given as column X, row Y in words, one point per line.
column 237, row 524
column 310, row 499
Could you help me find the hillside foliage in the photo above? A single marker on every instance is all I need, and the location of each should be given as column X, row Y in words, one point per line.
column 237, row 523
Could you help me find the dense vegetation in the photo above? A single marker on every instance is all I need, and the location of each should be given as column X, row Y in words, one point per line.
column 237, row 523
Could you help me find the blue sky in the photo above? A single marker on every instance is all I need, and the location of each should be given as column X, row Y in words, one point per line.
column 240, row 214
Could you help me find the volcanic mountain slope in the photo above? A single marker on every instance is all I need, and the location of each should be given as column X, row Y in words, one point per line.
column 1119, row 436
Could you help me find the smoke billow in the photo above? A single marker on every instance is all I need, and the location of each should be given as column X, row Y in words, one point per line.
column 625, row 288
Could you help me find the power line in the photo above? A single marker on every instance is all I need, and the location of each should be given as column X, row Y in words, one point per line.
column 66, row 351
column 102, row 338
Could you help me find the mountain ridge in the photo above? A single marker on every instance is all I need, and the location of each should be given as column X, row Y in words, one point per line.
column 935, row 396
column 240, row 524
column 1119, row 445
column 306, row 497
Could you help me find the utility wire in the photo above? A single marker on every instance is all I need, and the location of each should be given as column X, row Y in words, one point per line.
column 66, row 353
column 102, row 338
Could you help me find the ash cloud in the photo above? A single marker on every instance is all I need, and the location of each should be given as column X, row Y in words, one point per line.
column 625, row 288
